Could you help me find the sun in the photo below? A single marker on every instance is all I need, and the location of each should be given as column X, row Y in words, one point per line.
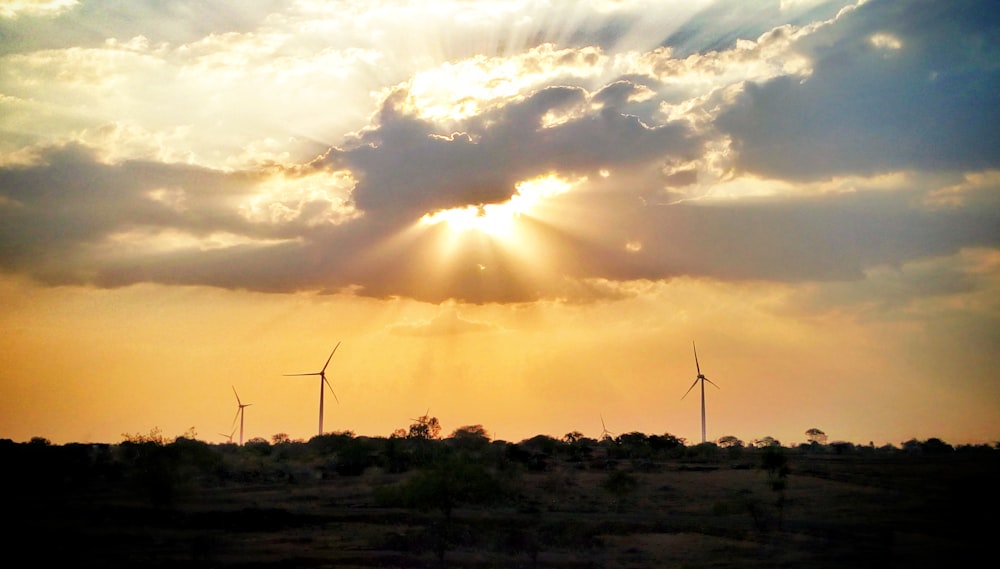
column 500, row 220
column 496, row 220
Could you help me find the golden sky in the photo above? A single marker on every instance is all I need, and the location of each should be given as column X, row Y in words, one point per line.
column 515, row 214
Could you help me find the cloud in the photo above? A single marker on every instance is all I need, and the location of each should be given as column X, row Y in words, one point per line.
column 18, row 8
column 76, row 220
column 405, row 167
column 833, row 143
column 893, row 87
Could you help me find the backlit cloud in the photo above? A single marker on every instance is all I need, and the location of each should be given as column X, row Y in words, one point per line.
column 762, row 155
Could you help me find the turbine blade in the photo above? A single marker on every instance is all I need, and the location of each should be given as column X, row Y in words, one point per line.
column 690, row 388
column 327, row 382
column 331, row 356
column 238, row 402
column 710, row 381
column 698, row 367
column 235, row 418
column 296, row 374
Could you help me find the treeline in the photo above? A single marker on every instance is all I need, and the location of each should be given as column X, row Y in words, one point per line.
column 162, row 468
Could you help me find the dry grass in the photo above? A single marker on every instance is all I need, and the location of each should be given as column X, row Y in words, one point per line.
column 838, row 512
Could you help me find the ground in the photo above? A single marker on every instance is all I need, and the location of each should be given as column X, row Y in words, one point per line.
column 834, row 511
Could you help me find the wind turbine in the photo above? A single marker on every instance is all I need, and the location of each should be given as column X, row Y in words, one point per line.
column 423, row 420
column 701, row 377
column 239, row 415
column 229, row 437
column 322, row 379
column 605, row 433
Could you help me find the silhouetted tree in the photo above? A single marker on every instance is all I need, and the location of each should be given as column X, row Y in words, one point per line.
column 353, row 456
column 666, row 444
column 426, row 428
column 935, row 446
column 733, row 446
column 842, row 447
column 816, row 436
column 155, row 436
column 729, row 441
column 765, row 442
column 258, row 446
column 154, row 470
column 470, row 438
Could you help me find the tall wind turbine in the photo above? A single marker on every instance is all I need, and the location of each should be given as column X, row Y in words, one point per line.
column 701, row 377
column 322, row 380
column 239, row 415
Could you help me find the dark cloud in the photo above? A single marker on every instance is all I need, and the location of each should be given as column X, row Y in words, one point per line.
column 71, row 200
column 872, row 106
column 805, row 239
column 406, row 167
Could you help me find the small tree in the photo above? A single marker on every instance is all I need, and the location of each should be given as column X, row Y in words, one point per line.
column 470, row 438
column 732, row 445
column 426, row 428
column 729, row 441
column 816, row 436
column 765, row 442
column 155, row 437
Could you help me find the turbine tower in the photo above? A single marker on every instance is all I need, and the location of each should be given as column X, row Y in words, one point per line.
column 701, row 377
column 322, row 380
column 239, row 415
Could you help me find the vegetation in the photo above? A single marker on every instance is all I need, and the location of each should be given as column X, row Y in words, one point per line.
column 416, row 499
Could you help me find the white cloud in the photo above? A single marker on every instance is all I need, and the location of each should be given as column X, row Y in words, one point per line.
column 16, row 8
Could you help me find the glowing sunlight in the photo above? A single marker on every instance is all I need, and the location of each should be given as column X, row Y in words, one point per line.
column 499, row 220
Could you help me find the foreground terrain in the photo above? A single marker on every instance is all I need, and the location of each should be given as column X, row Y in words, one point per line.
column 501, row 506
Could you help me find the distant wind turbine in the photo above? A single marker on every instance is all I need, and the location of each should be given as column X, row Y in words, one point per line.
column 322, row 380
column 605, row 433
column 229, row 437
column 424, row 419
column 701, row 377
column 239, row 415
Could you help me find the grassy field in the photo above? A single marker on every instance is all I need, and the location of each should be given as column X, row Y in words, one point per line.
column 830, row 511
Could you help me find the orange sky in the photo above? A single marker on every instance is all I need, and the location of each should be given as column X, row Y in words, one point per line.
column 519, row 216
